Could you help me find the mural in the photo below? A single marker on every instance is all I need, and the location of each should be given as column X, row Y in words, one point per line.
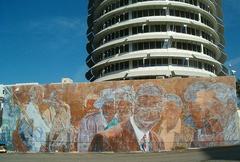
column 122, row 116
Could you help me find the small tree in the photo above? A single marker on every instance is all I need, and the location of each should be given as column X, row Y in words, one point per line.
column 238, row 92
column 238, row 88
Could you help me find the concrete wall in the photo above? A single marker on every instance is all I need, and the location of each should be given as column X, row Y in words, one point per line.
column 150, row 115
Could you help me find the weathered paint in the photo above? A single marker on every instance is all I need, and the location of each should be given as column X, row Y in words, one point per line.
column 115, row 116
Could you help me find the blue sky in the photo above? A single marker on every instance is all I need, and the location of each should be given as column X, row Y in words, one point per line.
column 44, row 40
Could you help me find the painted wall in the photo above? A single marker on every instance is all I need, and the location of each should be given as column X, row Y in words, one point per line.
column 148, row 115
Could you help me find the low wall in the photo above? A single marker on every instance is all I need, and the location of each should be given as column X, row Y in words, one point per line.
column 147, row 115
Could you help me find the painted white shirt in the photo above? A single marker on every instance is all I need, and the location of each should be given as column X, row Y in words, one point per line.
column 139, row 134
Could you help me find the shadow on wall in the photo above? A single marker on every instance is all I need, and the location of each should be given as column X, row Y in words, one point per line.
column 238, row 92
column 223, row 153
column 238, row 103
column 123, row 116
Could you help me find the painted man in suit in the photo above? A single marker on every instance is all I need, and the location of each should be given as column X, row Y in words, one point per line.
column 130, row 134
column 95, row 121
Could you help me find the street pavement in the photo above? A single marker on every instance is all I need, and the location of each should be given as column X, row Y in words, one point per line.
column 222, row 154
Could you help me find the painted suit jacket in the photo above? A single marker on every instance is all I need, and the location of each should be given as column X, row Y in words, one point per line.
column 122, row 138
column 90, row 125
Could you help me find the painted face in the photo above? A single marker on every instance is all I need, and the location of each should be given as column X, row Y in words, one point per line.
column 172, row 114
column 147, row 111
column 108, row 110
column 206, row 108
column 197, row 114
column 124, row 109
column 215, row 125
column 36, row 94
column 229, row 110
column 90, row 103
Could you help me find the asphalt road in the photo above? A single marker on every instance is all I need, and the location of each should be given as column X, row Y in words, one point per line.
column 225, row 154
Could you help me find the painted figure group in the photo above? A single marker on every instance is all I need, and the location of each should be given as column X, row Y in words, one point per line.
column 153, row 120
column 142, row 117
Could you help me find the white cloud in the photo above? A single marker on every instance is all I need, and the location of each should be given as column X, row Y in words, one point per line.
column 70, row 23
column 58, row 25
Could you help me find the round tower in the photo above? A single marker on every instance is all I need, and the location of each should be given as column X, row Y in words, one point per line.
column 141, row 39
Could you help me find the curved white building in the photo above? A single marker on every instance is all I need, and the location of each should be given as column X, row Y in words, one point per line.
column 136, row 39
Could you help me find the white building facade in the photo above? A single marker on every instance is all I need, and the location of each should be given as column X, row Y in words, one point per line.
column 141, row 39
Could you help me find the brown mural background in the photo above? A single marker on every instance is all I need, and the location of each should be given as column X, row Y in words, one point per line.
column 121, row 116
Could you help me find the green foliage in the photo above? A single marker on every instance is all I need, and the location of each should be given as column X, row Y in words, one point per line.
column 238, row 92
column 238, row 88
